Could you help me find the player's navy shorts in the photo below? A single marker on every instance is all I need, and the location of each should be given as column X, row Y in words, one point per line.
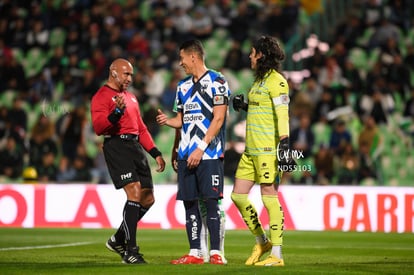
column 127, row 162
column 204, row 182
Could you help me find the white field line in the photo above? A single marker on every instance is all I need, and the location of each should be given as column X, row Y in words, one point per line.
column 371, row 248
column 44, row 246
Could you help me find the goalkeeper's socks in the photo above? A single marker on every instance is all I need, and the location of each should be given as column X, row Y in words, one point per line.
column 276, row 219
column 277, row 251
column 248, row 212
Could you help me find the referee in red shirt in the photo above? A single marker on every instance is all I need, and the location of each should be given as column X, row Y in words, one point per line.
column 116, row 116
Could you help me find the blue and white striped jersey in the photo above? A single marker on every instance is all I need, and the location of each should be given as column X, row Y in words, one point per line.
column 196, row 102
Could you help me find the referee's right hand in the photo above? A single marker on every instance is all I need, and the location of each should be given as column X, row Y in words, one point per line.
column 120, row 102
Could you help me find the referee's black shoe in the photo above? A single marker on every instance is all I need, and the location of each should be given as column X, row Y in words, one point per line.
column 116, row 247
column 132, row 256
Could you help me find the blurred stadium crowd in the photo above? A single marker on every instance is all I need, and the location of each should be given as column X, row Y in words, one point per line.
column 352, row 106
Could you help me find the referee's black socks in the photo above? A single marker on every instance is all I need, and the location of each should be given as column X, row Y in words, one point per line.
column 131, row 217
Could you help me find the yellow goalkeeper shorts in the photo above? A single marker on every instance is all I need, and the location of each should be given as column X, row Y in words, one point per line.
column 260, row 169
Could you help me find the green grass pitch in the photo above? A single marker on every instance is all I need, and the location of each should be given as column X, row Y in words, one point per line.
column 83, row 251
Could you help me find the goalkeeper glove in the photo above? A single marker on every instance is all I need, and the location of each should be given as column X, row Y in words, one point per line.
column 239, row 104
column 284, row 156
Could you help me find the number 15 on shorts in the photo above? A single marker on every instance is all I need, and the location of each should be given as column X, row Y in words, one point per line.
column 215, row 180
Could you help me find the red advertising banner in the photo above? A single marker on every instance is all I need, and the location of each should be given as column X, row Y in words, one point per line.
column 343, row 208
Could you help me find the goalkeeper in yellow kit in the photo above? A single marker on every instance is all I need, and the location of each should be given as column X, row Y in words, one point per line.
column 267, row 148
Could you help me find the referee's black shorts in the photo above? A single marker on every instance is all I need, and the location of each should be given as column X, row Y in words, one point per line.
column 127, row 162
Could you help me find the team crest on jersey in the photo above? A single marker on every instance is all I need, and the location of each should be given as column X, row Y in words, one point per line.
column 219, row 100
column 284, row 98
column 203, row 89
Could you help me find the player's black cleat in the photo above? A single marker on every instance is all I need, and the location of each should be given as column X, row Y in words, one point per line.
column 132, row 256
column 116, row 247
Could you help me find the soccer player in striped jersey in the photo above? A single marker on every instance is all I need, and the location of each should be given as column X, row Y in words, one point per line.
column 202, row 107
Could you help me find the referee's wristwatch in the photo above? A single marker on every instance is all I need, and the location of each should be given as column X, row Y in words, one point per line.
column 116, row 115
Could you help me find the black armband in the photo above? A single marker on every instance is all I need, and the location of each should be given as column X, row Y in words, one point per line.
column 154, row 152
column 116, row 115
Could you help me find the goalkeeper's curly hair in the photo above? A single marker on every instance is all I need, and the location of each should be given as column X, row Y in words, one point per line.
column 273, row 56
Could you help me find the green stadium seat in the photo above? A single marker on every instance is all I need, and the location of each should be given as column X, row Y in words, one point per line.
column 368, row 182
column 166, row 75
column 322, row 134
column 355, row 126
column 409, row 37
column 232, row 79
column 35, row 113
column 387, row 168
column 91, row 148
column 58, row 91
column 399, row 104
column 221, row 35
column 304, row 20
column 384, row 129
column 57, row 3
column 401, row 42
column 403, row 177
column 412, row 77
column 7, row 97
column 31, row 117
column 164, row 141
column 213, row 59
column 145, row 10
column 394, row 181
column 246, row 78
column 57, row 37
column 35, row 60
column 373, row 56
column 366, row 36
column 409, row 161
column 18, row 54
column 246, row 46
column 359, row 58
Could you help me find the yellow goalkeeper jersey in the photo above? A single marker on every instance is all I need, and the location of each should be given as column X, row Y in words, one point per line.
column 267, row 116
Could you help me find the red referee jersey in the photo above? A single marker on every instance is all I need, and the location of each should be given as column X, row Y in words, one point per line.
column 103, row 103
